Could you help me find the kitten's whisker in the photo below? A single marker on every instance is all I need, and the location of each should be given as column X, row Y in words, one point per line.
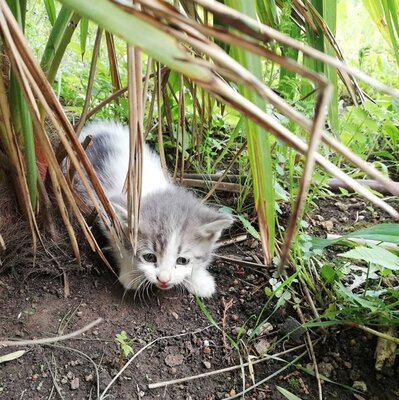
column 138, row 289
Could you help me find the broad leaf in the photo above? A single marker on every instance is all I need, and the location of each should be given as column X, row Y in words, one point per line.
column 375, row 255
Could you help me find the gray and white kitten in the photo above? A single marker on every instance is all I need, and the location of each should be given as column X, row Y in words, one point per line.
column 176, row 234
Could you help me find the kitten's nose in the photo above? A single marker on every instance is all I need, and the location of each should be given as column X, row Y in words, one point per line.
column 163, row 283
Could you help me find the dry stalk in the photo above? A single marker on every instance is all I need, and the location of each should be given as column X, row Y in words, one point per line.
column 136, row 142
column 7, row 343
column 296, row 214
column 89, row 89
column 113, row 62
column 311, row 350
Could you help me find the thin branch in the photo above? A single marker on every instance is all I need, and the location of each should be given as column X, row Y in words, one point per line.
column 7, row 343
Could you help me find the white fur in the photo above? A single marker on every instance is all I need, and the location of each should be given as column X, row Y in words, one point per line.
column 153, row 178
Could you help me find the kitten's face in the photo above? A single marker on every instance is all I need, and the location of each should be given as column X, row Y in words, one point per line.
column 168, row 258
column 176, row 237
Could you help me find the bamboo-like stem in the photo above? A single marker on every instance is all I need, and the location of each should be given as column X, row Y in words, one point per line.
column 113, row 62
column 89, row 89
column 160, row 135
column 135, row 96
column 296, row 214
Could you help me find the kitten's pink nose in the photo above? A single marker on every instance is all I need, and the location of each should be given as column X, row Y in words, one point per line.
column 163, row 283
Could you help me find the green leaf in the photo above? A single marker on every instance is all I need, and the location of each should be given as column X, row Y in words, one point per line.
column 375, row 255
column 249, row 227
column 84, row 28
column 135, row 31
column 286, row 393
column 328, row 273
column 380, row 233
column 51, row 12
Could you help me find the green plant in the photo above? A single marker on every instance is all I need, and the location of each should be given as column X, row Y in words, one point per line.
column 125, row 345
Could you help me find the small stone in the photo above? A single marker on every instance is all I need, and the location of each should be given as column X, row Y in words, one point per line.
column 360, row 385
column 89, row 378
column 64, row 380
column 348, row 364
column 75, row 384
column 175, row 315
column 262, row 346
column 243, row 292
column 206, row 350
column 326, row 368
column 235, row 317
column 352, row 342
column 236, row 282
column 341, row 206
column 293, row 328
column 172, row 360
column 328, row 225
column 173, row 370
column 35, row 377
column 104, row 378
column 206, row 343
column 79, row 313
column 232, row 393
column 207, row 364
column 254, row 244
column 70, row 375
column 265, row 329
column 250, row 278
column 95, row 332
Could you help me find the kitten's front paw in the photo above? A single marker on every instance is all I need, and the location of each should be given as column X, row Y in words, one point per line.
column 202, row 284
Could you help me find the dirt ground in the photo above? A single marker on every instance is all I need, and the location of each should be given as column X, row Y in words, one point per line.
column 186, row 342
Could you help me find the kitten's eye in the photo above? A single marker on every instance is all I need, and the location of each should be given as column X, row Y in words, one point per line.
column 182, row 261
column 150, row 257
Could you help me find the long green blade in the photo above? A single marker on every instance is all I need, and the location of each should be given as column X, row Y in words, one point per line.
column 259, row 152
column 154, row 42
column 21, row 117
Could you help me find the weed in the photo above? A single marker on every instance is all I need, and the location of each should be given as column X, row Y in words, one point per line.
column 125, row 346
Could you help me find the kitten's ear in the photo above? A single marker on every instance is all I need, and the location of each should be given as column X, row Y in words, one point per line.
column 212, row 230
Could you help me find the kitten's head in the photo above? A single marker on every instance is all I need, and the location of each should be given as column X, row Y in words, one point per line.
column 176, row 236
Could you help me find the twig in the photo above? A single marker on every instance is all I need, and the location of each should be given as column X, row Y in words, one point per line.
column 240, row 262
column 226, row 306
column 54, row 378
column 2, row 244
column 93, row 65
column 223, row 370
column 6, row 343
column 228, row 242
column 374, row 332
column 312, row 353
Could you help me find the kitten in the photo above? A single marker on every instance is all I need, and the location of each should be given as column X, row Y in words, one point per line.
column 176, row 234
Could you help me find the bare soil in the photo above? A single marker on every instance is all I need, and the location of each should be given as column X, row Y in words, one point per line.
column 187, row 343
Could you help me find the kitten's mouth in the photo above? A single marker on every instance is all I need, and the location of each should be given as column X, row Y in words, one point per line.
column 163, row 285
